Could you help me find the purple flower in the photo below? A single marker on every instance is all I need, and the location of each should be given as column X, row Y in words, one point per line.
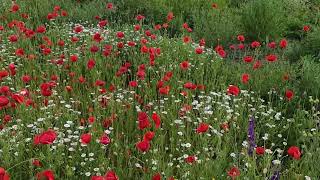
column 275, row 176
column 251, row 137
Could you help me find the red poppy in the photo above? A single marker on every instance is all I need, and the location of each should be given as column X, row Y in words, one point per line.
column 157, row 176
column 255, row 44
column 47, row 137
column 47, row 174
column 248, row 59
column 241, row 46
column 143, row 120
column 245, row 78
column 133, row 83
column 109, row 6
column 104, row 139
column 306, row 28
column 190, row 85
column 241, row 38
column 120, row 34
column 234, row 172
column 111, row 175
column 289, row 94
column 148, row 136
column 186, row 39
column 156, row 119
column 170, row 16
column 36, row 163
column 184, row 65
column 13, row 38
column 164, row 90
column 294, row 152
column 233, row 90
column 199, row 50
column 257, row 65
column 222, row 53
column 214, row 5
column 15, row 7
column 41, row 29
column 260, row 150
column 4, row 101
column 3, row 174
column 272, row 45
column 91, row 63
column 271, row 57
column 78, row 29
column 202, row 128
column 143, row 145
column 190, row 159
column 26, row 78
column 283, row 43
column 85, row 138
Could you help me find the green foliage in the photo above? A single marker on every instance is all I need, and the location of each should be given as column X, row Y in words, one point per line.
column 262, row 18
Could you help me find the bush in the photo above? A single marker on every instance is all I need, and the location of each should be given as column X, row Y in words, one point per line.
column 261, row 19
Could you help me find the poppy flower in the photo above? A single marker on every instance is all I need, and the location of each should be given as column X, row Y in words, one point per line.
column 289, row 94
column 97, row 178
column 184, row 65
column 111, row 175
column 157, row 176
column 156, row 119
column 3, row 174
column 13, row 38
column 248, row 59
column 272, row 45
column 78, row 29
column 148, row 136
column 133, row 83
column 164, row 90
column 190, row 85
column 104, row 139
column 170, row 16
column 36, row 163
column 139, row 17
column 260, row 150
column 271, row 57
column 143, row 120
column 46, row 174
column 109, row 6
column 283, row 43
column 245, row 78
column 199, row 50
column 143, row 145
column 64, row 13
column 15, row 7
column 102, row 23
column 306, row 28
column 46, row 137
column 186, row 39
column 233, row 90
column 41, row 29
column 255, row 44
column 202, row 128
column 234, row 172
column 85, row 138
column 222, row 53
column 240, row 38
column 257, row 65
column 120, row 34
column 190, row 159
column 4, row 101
column 214, row 5
column 91, row 63
column 294, row 152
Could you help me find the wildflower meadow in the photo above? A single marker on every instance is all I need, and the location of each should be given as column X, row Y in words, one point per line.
column 159, row 89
